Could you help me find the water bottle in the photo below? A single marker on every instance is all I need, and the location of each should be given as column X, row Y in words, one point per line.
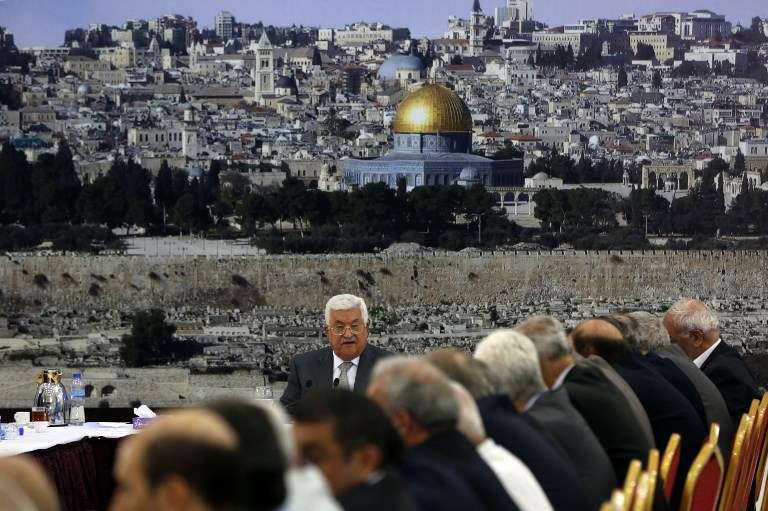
column 77, row 402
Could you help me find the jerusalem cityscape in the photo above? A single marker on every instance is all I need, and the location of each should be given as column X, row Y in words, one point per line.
column 180, row 196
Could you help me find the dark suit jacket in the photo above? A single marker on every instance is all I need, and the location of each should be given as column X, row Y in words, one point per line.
column 314, row 370
column 554, row 412
column 454, row 451
column 386, row 494
column 554, row 472
column 433, row 486
column 669, row 413
column 680, row 381
column 609, row 415
column 730, row 374
column 714, row 404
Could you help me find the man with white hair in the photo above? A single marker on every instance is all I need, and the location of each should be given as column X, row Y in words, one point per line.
column 652, row 336
column 348, row 360
column 422, row 406
column 600, row 403
column 695, row 328
column 513, row 359
column 549, row 464
column 513, row 474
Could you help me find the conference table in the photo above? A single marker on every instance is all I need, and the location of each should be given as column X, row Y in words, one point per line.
column 78, row 459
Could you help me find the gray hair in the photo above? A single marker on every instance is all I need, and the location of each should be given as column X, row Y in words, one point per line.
column 651, row 333
column 512, row 358
column 417, row 387
column 547, row 335
column 689, row 314
column 345, row 302
column 470, row 423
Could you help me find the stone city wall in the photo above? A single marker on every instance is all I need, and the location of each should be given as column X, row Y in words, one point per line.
column 126, row 282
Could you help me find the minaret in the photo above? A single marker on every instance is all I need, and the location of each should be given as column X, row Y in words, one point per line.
column 264, row 71
column 189, row 137
column 476, row 29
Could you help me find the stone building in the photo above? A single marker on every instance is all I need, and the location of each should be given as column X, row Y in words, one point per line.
column 433, row 144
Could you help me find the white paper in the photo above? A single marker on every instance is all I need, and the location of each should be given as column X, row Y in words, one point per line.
column 144, row 412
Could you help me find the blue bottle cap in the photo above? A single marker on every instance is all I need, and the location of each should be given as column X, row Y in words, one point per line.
column 76, row 376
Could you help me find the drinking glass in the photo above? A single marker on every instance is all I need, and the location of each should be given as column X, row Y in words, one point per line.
column 39, row 414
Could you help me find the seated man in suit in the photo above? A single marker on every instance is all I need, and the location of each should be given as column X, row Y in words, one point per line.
column 345, row 364
column 353, row 443
column 597, row 400
column 513, row 359
column 513, row 474
column 653, row 337
column 422, row 406
column 693, row 327
column 504, row 425
column 669, row 411
column 630, row 330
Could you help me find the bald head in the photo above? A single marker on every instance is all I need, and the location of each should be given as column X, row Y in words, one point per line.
column 181, row 461
column 601, row 338
column 25, row 485
column 692, row 325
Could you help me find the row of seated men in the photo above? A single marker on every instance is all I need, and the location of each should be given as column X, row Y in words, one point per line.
column 535, row 419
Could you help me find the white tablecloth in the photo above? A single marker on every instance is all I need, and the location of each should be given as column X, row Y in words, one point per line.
column 50, row 437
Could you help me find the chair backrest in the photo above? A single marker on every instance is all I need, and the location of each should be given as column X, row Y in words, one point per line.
column 652, row 468
column 616, row 503
column 640, row 500
column 761, row 462
column 714, row 432
column 753, row 444
column 734, row 464
column 670, row 462
column 630, row 483
column 704, row 480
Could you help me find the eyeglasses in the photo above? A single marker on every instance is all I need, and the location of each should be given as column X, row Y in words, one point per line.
column 342, row 329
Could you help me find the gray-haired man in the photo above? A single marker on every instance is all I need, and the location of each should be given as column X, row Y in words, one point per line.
column 348, row 360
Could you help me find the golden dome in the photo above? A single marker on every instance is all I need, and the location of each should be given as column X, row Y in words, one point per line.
column 432, row 109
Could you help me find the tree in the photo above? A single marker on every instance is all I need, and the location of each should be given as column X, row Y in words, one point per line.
column 656, row 80
column 623, row 79
column 164, row 196
column 183, row 211
column 507, row 152
column 645, row 52
column 739, row 164
column 151, row 341
column 15, row 186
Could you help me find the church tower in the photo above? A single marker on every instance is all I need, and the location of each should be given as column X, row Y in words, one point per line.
column 264, row 71
column 476, row 30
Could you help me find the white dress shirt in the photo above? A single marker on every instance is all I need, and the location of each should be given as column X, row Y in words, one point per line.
column 699, row 361
column 516, row 478
column 351, row 374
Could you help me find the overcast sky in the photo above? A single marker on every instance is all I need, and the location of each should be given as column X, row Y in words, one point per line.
column 42, row 22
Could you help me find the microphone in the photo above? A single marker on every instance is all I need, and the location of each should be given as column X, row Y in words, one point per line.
column 335, row 383
column 308, row 384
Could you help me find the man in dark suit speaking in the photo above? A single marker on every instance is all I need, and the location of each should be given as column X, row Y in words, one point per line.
column 345, row 364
